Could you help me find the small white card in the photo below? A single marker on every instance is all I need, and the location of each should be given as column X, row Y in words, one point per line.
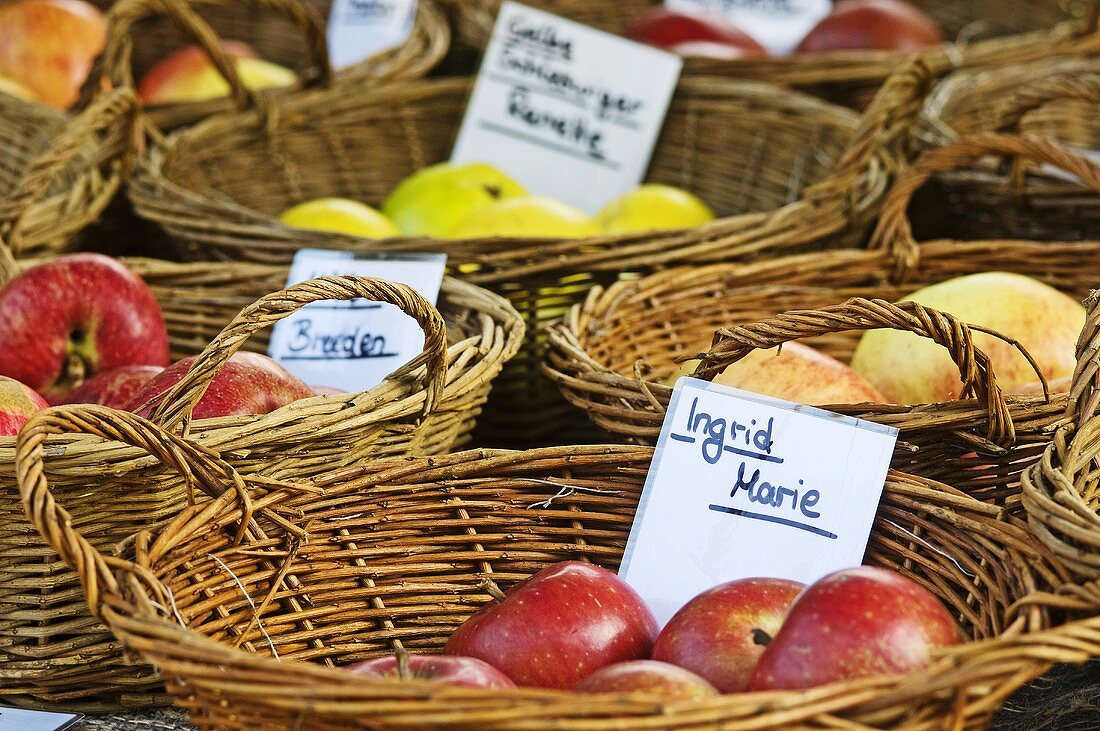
column 358, row 29
column 18, row 719
column 353, row 345
column 777, row 25
column 745, row 486
column 569, row 111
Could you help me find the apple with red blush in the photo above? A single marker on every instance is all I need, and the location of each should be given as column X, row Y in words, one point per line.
column 464, row 672
column 694, row 34
column 115, row 388
column 17, row 404
column 660, row 679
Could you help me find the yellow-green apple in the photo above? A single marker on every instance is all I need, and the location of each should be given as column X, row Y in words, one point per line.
column 721, row 634
column 795, row 373
column 671, row 29
column 561, row 625
column 526, row 217
column 115, row 388
column 434, row 200
column 853, row 624
column 187, row 75
column 48, row 46
column 659, row 679
column 909, row 369
column 653, row 207
column 465, row 672
column 341, row 215
column 866, row 25
column 75, row 316
column 17, row 404
column 248, row 383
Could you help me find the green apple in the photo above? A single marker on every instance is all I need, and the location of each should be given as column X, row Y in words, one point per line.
column 653, row 207
column 527, row 217
column 341, row 215
column 909, row 369
column 433, row 201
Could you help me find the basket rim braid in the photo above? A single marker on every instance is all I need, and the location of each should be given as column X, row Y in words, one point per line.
column 425, row 48
column 65, row 168
column 840, row 76
column 969, row 552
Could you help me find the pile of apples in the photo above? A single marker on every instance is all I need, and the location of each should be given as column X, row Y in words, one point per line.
column 476, row 200
column 578, row 626
column 853, row 25
column 85, row 329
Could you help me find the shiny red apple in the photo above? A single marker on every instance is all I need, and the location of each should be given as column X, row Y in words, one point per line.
column 561, row 625
column 466, row 672
column 721, row 634
column 17, row 404
column 248, row 383
column 673, row 30
column 854, row 624
column 872, row 25
column 115, row 388
column 73, row 317
column 651, row 677
column 188, row 75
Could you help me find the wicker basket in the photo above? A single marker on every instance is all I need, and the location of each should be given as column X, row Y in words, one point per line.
column 251, row 620
column 984, row 33
column 747, row 148
column 58, row 173
column 1058, row 99
column 288, row 32
column 612, row 355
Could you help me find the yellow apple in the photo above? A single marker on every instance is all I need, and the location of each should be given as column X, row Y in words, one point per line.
column 342, row 216
column 528, row 217
column 796, row 373
column 653, row 207
column 909, row 369
column 187, row 75
column 433, row 201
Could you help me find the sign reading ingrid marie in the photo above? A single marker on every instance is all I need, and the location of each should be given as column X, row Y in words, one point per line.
column 743, row 485
column 569, row 111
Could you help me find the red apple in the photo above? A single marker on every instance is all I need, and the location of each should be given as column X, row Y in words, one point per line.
column 854, row 624
column 48, row 46
column 870, row 25
column 712, row 50
column 76, row 316
column 248, row 383
column 115, row 388
column 328, row 391
column 671, row 29
column 17, row 404
column 559, row 626
column 188, row 75
column 466, row 672
column 668, row 682
column 721, row 634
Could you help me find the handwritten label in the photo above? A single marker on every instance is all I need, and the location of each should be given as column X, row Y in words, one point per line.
column 777, row 25
column 19, row 719
column 359, row 29
column 744, row 486
column 569, row 111
column 354, row 344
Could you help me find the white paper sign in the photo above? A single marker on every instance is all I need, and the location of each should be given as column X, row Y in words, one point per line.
column 18, row 719
column 777, row 25
column 568, row 111
column 358, row 29
column 745, row 486
column 354, row 344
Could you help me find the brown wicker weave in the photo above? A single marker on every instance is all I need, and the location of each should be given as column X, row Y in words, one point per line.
column 763, row 158
column 58, row 173
column 288, row 32
column 983, row 34
column 613, row 354
column 395, row 554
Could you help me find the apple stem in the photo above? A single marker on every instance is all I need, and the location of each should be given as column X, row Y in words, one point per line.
column 760, row 637
column 402, row 656
column 493, row 590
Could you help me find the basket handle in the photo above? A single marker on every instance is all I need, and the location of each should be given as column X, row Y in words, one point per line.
column 732, row 344
column 116, row 61
column 894, row 230
column 1084, row 394
column 114, row 112
column 1054, row 88
column 174, row 406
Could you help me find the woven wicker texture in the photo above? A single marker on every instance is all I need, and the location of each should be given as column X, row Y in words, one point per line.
column 287, row 32
column 612, row 355
column 395, row 554
column 764, row 159
column 981, row 34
